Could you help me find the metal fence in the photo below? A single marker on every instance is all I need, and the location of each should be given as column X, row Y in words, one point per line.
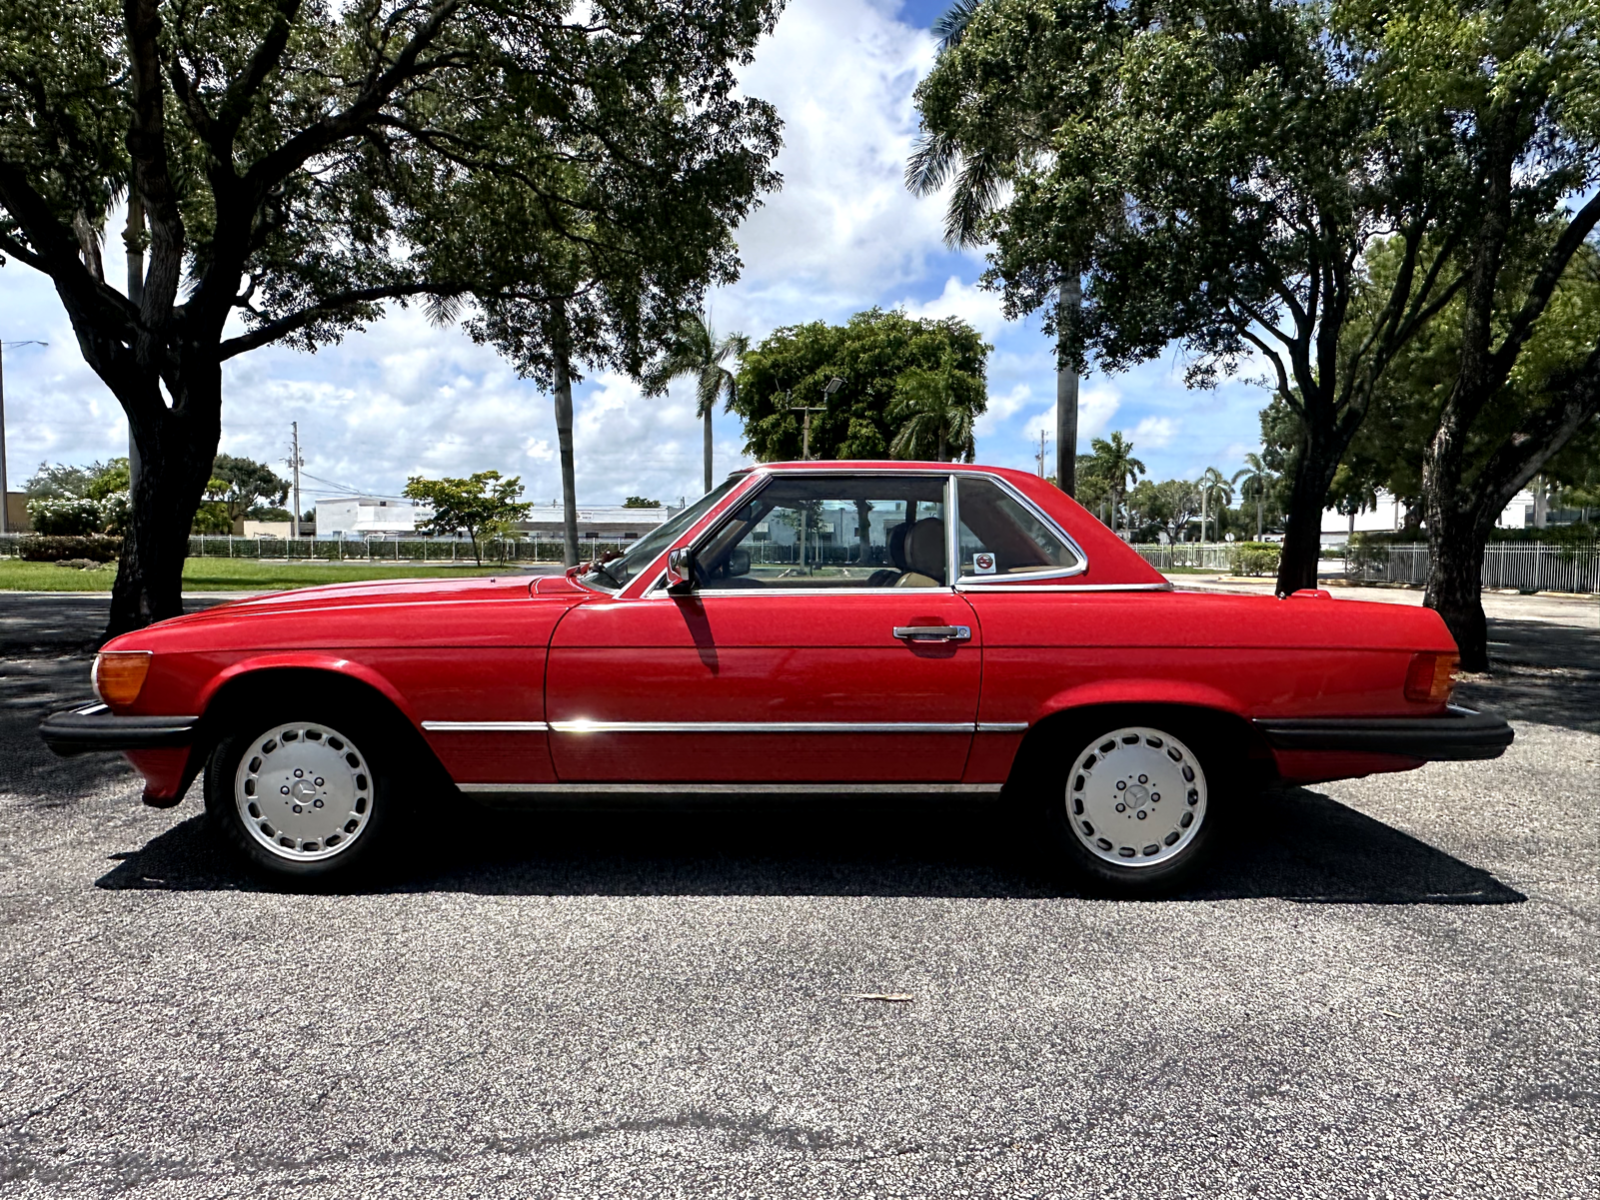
column 1207, row 556
column 373, row 550
column 1523, row 566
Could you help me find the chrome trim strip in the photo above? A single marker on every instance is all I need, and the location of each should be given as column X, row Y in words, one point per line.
column 1003, row 727
column 486, row 727
column 761, row 727
column 1045, row 519
column 725, row 789
column 1066, row 588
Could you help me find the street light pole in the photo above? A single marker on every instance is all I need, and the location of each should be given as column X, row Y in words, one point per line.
column 5, row 496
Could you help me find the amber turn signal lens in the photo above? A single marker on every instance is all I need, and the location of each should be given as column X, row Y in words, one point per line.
column 1432, row 677
column 119, row 674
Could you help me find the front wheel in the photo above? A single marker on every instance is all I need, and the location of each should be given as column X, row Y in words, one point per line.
column 298, row 798
column 1134, row 811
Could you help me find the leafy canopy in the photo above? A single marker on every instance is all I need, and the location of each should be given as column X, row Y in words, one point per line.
column 872, row 354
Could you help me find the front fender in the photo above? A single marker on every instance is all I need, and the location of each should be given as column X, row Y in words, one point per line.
column 305, row 660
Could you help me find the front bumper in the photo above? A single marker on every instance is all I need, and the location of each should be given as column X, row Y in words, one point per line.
column 1462, row 734
column 92, row 727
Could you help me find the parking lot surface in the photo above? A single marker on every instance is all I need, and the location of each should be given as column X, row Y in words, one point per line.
column 1386, row 987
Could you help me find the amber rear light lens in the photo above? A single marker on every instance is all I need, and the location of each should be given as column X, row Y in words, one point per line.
column 119, row 674
column 1432, row 677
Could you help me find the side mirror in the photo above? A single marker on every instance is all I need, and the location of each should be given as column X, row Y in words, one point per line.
column 680, row 572
column 738, row 562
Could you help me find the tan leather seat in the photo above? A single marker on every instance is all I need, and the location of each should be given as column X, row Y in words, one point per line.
column 924, row 551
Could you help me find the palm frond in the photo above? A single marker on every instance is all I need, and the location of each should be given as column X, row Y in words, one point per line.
column 951, row 26
column 932, row 159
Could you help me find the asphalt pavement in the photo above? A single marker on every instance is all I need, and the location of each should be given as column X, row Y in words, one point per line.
column 1386, row 987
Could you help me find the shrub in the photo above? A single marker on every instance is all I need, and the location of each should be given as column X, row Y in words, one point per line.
column 64, row 517
column 1253, row 558
column 48, row 548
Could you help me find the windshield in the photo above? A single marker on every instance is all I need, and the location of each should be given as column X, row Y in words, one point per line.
column 614, row 575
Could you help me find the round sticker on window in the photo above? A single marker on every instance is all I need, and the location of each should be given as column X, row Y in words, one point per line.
column 983, row 564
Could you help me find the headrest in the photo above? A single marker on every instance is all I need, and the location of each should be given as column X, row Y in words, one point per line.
column 897, row 546
column 925, row 548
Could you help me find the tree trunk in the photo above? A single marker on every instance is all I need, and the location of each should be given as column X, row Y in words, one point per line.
column 1302, row 533
column 1455, row 578
column 864, row 532
column 1069, row 310
column 176, row 448
column 1258, row 518
column 563, row 398
column 708, row 449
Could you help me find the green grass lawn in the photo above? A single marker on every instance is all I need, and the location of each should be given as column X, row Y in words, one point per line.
column 222, row 575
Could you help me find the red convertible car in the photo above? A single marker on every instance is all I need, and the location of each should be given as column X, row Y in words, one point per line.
column 837, row 629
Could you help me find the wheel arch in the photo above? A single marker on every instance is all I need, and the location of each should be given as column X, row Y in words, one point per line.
column 1045, row 739
column 252, row 683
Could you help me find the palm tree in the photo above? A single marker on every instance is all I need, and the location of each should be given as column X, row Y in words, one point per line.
column 1211, row 483
column 1115, row 463
column 980, row 172
column 928, row 406
column 696, row 350
column 1253, row 482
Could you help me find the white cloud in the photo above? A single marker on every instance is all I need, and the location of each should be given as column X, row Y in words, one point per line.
column 1155, row 432
column 1096, row 406
column 974, row 305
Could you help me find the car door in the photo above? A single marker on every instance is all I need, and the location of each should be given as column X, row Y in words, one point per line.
column 822, row 644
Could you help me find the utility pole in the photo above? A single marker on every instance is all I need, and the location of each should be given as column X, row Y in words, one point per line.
column 5, row 500
column 1040, row 455
column 828, row 389
column 295, row 463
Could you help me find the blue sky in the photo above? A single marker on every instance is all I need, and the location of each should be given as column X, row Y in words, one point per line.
column 404, row 398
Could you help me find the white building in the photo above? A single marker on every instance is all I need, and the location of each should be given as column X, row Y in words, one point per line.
column 598, row 522
column 368, row 516
column 1525, row 510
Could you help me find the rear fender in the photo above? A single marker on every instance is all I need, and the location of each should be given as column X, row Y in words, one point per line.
column 1165, row 692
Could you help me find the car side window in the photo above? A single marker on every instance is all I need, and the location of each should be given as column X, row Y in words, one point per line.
column 830, row 533
column 1002, row 538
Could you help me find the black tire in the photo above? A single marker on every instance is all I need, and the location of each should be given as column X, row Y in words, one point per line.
column 1093, row 792
column 259, row 825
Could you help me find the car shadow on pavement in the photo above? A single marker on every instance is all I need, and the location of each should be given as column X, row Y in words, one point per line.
column 1295, row 845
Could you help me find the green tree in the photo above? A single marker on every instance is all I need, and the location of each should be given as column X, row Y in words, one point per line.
column 640, row 502
column 1114, row 462
column 1170, row 504
column 482, row 506
column 1216, row 493
column 1215, row 169
column 247, row 485
column 1425, row 430
column 696, row 350
column 869, row 353
column 1254, row 481
column 934, row 411
column 975, row 138
column 562, row 178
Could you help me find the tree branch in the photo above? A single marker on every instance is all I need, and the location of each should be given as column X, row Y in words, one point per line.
column 1522, row 455
column 1540, row 291
column 315, row 138
column 272, row 331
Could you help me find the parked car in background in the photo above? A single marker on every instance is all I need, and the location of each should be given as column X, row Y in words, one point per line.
column 806, row 628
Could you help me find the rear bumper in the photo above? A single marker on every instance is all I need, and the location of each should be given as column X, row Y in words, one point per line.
column 92, row 727
column 1460, row 735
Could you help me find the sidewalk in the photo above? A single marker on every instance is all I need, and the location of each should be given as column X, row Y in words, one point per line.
column 1581, row 612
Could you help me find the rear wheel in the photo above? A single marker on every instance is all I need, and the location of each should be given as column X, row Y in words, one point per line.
column 1133, row 810
column 299, row 797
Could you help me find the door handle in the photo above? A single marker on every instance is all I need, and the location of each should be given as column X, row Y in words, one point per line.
column 933, row 633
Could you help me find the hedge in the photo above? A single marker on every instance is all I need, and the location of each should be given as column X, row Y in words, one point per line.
column 46, row 548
